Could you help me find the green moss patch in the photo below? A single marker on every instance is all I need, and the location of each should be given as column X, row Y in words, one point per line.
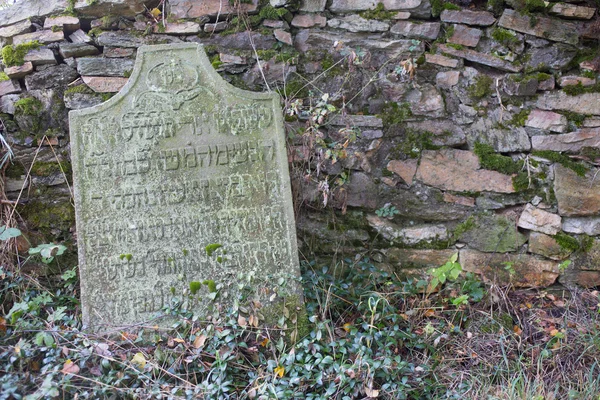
column 505, row 36
column 379, row 12
column 519, row 118
column 395, row 114
column 481, row 88
column 489, row 159
column 576, row 90
column 28, row 106
column 579, row 168
column 14, row 55
column 437, row 6
column 567, row 242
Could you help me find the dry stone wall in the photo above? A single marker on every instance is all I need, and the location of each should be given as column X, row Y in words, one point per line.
column 416, row 128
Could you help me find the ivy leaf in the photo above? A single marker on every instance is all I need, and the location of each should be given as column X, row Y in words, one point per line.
column 139, row 360
column 8, row 233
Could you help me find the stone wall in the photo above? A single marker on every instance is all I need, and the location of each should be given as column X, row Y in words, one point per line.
column 416, row 129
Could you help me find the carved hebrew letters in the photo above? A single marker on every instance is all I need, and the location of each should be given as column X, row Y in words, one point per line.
column 177, row 161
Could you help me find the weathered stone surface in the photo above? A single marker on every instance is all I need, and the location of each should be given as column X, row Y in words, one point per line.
column 216, row 27
column 16, row 29
column 308, row 21
column 407, row 236
column 441, row 60
column 241, row 41
column 312, row 39
column 96, row 66
column 443, row 132
column 356, row 121
column 459, row 170
column 405, row 169
column 462, row 200
column 557, row 56
column 312, row 5
column 26, row 9
column 538, row 220
column 65, row 22
column 480, row 58
column 586, row 225
column 77, row 101
column 587, row 103
column 189, row 9
column 283, row 36
column 67, row 50
column 40, row 57
column 51, row 77
column 513, row 86
column 547, row 84
column 356, row 23
column 409, row 258
column 547, row 120
column 180, row 28
column 80, row 36
column 468, row 17
column 44, row 37
column 120, row 39
column 426, row 100
column 591, row 123
column 485, row 130
column 118, row 52
column 424, row 30
column 360, row 191
column 570, row 142
column 576, row 195
column 529, row 270
column 447, row 79
column 571, row 80
column 155, row 134
column 465, row 36
column 9, row 86
column 547, row 28
column 547, row 246
column 103, row 84
column 573, row 11
column 494, row 234
column 585, row 267
column 343, row 6
column 19, row 71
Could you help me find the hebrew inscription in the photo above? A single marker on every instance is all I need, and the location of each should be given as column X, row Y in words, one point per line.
column 178, row 160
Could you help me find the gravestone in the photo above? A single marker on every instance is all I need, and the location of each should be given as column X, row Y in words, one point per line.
column 181, row 187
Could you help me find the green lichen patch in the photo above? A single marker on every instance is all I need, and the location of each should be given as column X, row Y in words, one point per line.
column 395, row 114
column 505, row 36
column 415, row 142
column 437, row 6
column 49, row 217
column 519, row 118
column 481, row 87
column 49, row 168
column 14, row 55
column 379, row 12
column 564, row 160
column 489, row 159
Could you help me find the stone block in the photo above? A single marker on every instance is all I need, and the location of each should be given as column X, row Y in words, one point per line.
column 538, row 220
column 570, row 142
column 465, row 36
column 547, row 120
column 44, row 37
column 468, row 17
column 577, row 196
column 65, row 22
column 547, row 28
column 104, row 84
column 96, row 66
column 40, row 57
column 68, row 50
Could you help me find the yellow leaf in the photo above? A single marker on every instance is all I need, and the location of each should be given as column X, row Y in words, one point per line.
column 199, row 341
column 517, row 330
column 265, row 342
column 554, row 332
column 139, row 360
column 347, row 326
column 179, row 340
column 70, row 368
column 155, row 12
column 279, row 371
column 242, row 321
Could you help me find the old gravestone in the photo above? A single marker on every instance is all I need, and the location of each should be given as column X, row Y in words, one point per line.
column 176, row 164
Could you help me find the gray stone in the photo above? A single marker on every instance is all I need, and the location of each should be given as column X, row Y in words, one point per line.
column 465, row 36
column 308, row 21
column 40, row 57
column 118, row 52
column 494, row 234
column 283, row 36
column 547, row 28
column 441, row 60
column 468, row 17
column 104, row 84
column 51, row 77
column 120, row 39
column 572, row 11
column 356, row 23
column 16, row 29
column 546, row 246
column 25, row 9
column 79, row 36
column 547, row 84
column 577, row 196
column 191, row 9
column 209, row 163
column 443, row 132
column 426, row 100
column 97, row 66
column 312, row 5
column 66, row 23
column 571, row 80
column 547, row 120
column 67, row 50
column 569, row 142
column 485, row 130
column 480, row 58
column 216, row 27
column 409, row 258
column 9, row 86
column 7, row 103
column 180, row 28
column 517, row 86
column 587, row 103
column 557, row 56
column 582, row 225
column 43, row 37
column 357, row 121
column 424, row 30
column 78, row 101
column 241, row 41
column 538, row 220
column 408, row 235
column 19, row 71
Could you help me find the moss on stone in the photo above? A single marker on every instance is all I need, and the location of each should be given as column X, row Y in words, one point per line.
column 576, row 90
column 415, row 142
column 395, row 114
column 579, row 168
column 14, row 55
column 567, row 242
column 79, row 89
column 215, row 61
column 574, row 118
column 437, row 6
column 587, row 242
column 489, row 159
column 505, row 36
column 15, row 170
column 379, row 12
column 481, row 88
column 3, row 77
column 48, row 168
column 463, row 227
column 519, row 118
column 28, row 106
column 48, row 216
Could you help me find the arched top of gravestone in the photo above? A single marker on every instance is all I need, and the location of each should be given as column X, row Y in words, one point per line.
column 177, row 73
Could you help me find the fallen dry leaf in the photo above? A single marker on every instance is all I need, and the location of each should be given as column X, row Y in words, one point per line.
column 70, row 368
column 199, row 341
